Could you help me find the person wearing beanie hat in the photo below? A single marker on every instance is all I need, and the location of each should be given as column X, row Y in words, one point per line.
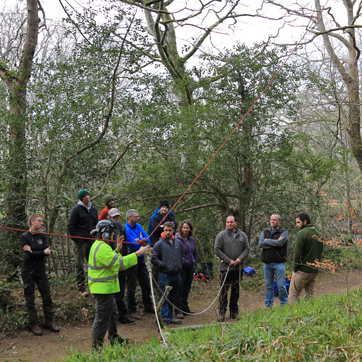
column 165, row 203
column 109, row 202
column 82, row 194
column 158, row 229
column 108, row 199
column 82, row 220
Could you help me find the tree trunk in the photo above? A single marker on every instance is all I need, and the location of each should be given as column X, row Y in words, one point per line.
column 350, row 77
column 17, row 86
column 15, row 180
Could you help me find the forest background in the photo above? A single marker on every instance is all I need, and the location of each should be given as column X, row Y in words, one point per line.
column 134, row 97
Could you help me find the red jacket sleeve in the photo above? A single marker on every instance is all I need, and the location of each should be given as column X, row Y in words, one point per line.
column 103, row 215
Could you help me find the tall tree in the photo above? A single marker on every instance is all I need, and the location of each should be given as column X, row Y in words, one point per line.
column 262, row 162
column 73, row 125
column 169, row 21
column 337, row 26
column 16, row 79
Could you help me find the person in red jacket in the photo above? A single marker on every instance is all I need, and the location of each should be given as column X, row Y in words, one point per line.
column 109, row 201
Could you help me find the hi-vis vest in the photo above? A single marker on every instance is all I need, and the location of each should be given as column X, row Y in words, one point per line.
column 103, row 267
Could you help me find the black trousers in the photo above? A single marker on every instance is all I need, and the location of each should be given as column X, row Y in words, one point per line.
column 187, row 276
column 138, row 272
column 81, row 254
column 119, row 297
column 105, row 319
column 232, row 280
column 32, row 275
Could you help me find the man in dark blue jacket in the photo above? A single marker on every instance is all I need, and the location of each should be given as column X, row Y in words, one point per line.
column 82, row 220
column 168, row 256
column 158, row 229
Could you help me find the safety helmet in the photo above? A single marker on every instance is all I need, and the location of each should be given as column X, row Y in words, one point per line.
column 104, row 227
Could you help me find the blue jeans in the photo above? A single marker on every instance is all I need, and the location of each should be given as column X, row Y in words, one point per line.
column 174, row 281
column 277, row 269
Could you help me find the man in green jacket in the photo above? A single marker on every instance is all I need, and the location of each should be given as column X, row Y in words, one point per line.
column 308, row 249
column 103, row 267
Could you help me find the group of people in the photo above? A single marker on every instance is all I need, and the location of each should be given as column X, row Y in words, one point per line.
column 232, row 247
column 174, row 256
column 116, row 260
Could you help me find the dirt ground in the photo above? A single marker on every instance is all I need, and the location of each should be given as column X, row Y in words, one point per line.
column 53, row 347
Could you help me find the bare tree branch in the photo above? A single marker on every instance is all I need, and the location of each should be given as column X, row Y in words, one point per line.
column 198, row 207
column 74, row 23
column 105, row 183
column 107, row 118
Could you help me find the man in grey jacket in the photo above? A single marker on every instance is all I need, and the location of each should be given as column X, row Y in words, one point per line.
column 231, row 247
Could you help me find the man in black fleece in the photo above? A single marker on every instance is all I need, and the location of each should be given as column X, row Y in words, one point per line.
column 82, row 220
column 274, row 242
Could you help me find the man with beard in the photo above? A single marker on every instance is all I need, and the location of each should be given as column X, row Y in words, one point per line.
column 307, row 250
column 168, row 256
column 158, row 229
column 82, row 220
column 109, row 201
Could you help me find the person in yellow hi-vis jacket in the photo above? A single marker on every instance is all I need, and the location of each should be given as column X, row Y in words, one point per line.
column 103, row 266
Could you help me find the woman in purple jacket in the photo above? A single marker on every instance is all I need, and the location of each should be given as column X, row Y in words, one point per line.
column 184, row 234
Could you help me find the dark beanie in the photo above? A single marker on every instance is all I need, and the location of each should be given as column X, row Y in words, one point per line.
column 164, row 203
column 108, row 198
column 82, row 193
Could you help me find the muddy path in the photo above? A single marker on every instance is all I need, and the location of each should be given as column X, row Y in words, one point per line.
column 53, row 347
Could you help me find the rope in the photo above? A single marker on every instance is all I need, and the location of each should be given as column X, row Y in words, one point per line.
column 66, row 236
column 198, row 313
column 222, row 145
column 199, row 241
column 201, row 172
column 237, row 126
column 149, row 269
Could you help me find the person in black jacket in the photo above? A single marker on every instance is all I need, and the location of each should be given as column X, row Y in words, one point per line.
column 120, row 232
column 168, row 256
column 274, row 240
column 35, row 248
column 82, row 220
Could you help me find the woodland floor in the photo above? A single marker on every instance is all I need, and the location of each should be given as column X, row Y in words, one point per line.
column 24, row 346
